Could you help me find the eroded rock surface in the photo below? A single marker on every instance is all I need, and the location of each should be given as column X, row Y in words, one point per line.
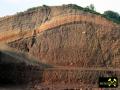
column 76, row 44
column 87, row 42
column 81, row 43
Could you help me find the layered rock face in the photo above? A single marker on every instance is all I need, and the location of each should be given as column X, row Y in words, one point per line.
column 32, row 18
column 76, row 44
column 87, row 41
column 73, row 45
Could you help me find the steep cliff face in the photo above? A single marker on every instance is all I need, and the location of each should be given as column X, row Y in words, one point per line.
column 32, row 18
column 76, row 44
column 74, row 47
column 91, row 41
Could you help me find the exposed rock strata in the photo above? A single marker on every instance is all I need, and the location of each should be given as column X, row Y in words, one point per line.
column 76, row 44
column 84, row 41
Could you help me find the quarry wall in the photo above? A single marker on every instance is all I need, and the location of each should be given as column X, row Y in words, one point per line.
column 12, row 35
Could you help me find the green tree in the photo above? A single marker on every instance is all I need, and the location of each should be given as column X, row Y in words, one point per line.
column 91, row 7
column 112, row 14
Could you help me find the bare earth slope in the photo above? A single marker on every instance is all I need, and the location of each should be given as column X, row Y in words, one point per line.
column 71, row 41
column 75, row 41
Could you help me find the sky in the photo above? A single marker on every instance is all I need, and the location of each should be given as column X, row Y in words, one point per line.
column 10, row 7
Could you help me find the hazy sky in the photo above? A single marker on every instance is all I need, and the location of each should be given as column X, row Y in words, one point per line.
column 8, row 7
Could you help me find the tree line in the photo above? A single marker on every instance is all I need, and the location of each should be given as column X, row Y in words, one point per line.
column 109, row 14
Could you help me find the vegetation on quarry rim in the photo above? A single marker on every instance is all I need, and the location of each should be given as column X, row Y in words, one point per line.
column 109, row 16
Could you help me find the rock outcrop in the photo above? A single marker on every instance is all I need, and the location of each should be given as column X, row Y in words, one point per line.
column 81, row 39
column 77, row 44
column 32, row 18
column 73, row 46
